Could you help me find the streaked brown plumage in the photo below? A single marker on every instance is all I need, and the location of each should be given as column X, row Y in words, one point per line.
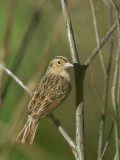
column 52, row 90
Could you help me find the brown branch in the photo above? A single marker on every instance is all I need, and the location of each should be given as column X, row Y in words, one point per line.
column 79, row 71
column 70, row 34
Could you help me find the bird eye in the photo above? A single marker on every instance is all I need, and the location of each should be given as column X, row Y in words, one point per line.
column 59, row 62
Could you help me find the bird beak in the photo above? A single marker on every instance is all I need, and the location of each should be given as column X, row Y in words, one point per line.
column 67, row 65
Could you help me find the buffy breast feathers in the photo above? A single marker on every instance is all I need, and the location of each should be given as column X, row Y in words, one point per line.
column 50, row 92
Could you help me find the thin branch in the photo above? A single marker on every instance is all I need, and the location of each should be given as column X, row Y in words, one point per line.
column 108, row 140
column 108, row 72
column 79, row 72
column 70, row 34
column 115, row 158
column 102, row 42
column 101, row 134
column 115, row 82
column 105, row 92
column 15, row 78
column 118, row 93
column 96, row 34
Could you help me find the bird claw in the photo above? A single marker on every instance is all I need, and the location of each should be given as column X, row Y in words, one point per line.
column 55, row 120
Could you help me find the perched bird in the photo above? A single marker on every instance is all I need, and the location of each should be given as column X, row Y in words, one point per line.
column 50, row 92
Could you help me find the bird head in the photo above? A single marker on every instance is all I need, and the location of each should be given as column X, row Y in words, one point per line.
column 60, row 64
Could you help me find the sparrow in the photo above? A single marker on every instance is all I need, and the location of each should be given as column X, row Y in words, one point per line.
column 53, row 88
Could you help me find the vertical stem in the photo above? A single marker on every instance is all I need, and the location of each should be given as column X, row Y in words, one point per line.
column 79, row 77
column 105, row 92
column 70, row 34
column 96, row 34
column 79, row 80
column 115, row 106
column 115, row 81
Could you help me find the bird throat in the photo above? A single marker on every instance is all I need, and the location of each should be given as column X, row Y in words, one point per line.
column 61, row 72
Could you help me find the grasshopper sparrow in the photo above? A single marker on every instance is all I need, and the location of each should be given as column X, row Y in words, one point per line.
column 50, row 92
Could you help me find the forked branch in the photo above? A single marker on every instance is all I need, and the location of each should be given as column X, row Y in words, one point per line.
column 79, row 71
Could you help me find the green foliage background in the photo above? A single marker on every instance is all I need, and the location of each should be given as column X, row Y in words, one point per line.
column 48, row 40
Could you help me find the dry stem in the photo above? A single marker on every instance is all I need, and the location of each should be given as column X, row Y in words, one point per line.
column 115, row 82
column 79, row 79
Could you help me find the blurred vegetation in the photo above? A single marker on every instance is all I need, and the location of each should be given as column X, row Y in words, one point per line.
column 46, row 40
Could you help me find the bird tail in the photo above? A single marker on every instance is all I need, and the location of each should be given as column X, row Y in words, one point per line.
column 28, row 132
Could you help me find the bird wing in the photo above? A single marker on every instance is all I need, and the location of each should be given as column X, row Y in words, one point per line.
column 36, row 94
column 51, row 88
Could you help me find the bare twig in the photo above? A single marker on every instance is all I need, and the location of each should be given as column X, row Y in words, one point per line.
column 100, row 144
column 15, row 78
column 102, row 42
column 115, row 81
column 108, row 140
column 96, row 34
column 108, row 73
column 79, row 77
column 70, row 34
column 88, row 61
column 105, row 92
column 118, row 94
